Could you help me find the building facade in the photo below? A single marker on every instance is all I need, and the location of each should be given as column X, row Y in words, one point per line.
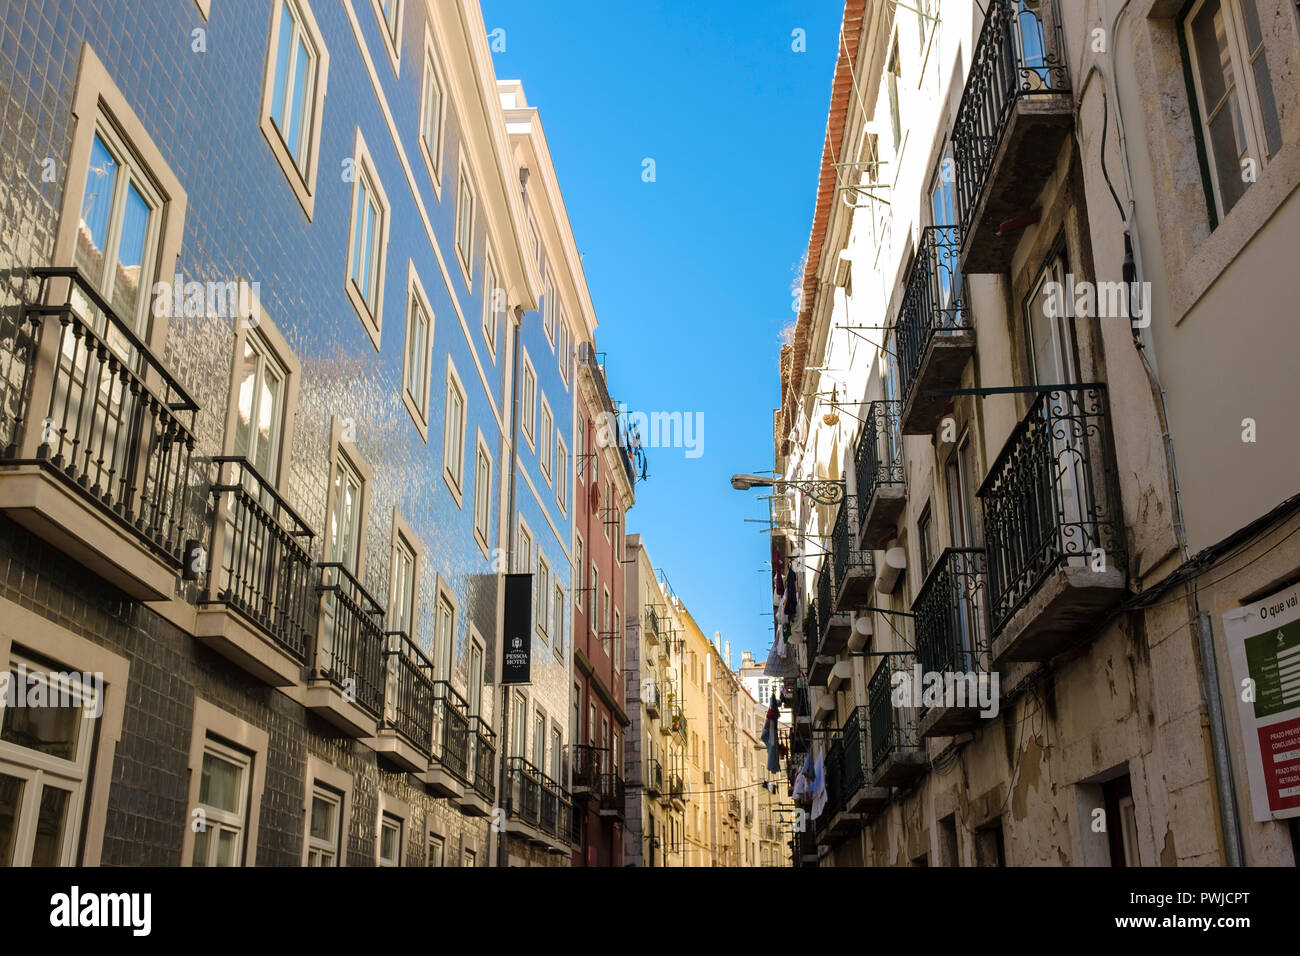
column 262, row 472
column 1023, row 250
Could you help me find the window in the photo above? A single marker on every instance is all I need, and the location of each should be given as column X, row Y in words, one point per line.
column 223, row 800
column 465, row 212
column 561, row 474
column 591, row 722
column 323, row 827
column 390, row 840
column 895, row 73
column 579, row 586
column 415, row 374
column 343, row 543
column 548, row 309
column 494, row 305
column 1233, row 88
column 525, row 554
column 558, row 608
column 475, row 679
column 390, row 18
column 528, row 402
column 546, row 441
column 543, row 585
column 119, row 227
column 535, row 240
column 580, row 446
column 45, row 756
column 433, row 107
column 401, row 606
column 482, row 494
column 564, row 348
column 517, row 737
column 437, row 849
column 444, row 637
column 605, row 633
column 293, row 95
column 990, row 847
column 539, row 740
column 469, row 858
column 260, row 406
column 453, row 436
column 925, row 541
column 595, row 591
column 557, row 752
column 368, row 243
column 618, row 638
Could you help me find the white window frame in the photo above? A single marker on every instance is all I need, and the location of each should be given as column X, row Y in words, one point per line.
column 389, row 821
column 436, row 840
column 322, row 774
column 214, row 725
column 559, row 635
column 391, row 30
column 546, row 440
column 482, row 496
column 215, row 818
column 491, row 288
column 370, row 313
column 416, row 299
column 317, row 848
column 561, row 474
column 542, row 612
column 302, row 178
column 437, row 125
column 528, row 405
column 564, row 347
column 548, row 309
column 465, row 243
column 455, row 479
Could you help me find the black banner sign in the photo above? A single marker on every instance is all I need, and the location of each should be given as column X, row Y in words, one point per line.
column 517, row 657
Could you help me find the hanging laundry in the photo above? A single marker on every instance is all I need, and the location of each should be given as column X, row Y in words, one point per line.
column 818, row 786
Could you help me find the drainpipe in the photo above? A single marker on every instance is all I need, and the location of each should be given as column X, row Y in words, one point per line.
column 1229, row 815
column 504, row 756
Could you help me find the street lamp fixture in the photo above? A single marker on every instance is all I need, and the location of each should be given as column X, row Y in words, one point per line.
column 824, row 491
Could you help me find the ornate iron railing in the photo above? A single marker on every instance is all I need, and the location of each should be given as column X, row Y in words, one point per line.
column 878, row 458
column 451, row 730
column 612, row 791
column 893, row 728
column 676, row 787
column 949, row 614
column 1019, row 53
column 408, row 690
column 588, row 763
column 824, row 606
column 109, row 419
column 550, row 805
column 525, row 790
column 485, row 751
column 565, row 824
column 855, row 757
column 933, row 302
column 1050, row 498
column 654, row 776
column 350, row 642
column 845, row 555
column 265, row 568
column 834, row 791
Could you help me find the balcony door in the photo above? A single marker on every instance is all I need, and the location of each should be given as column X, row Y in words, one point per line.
column 947, row 252
column 1031, row 43
column 342, row 546
column 963, row 527
column 1062, row 479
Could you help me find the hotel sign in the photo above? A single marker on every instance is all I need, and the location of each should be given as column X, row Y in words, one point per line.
column 517, row 656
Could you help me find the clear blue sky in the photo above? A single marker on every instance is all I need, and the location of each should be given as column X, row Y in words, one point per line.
column 690, row 274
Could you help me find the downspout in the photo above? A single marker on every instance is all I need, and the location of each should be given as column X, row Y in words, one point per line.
column 1229, row 815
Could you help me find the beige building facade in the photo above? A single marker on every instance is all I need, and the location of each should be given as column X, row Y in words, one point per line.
column 1039, row 346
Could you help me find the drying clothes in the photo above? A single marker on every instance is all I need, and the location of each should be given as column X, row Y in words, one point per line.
column 818, row 786
column 772, row 737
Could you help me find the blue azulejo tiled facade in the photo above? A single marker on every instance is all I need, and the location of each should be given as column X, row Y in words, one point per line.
column 257, row 421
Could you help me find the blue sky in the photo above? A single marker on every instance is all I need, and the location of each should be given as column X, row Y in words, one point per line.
column 690, row 274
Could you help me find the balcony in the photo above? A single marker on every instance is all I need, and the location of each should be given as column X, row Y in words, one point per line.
column 654, row 778
column 677, row 791
column 346, row 680
column 855, row 765
column 677, row 721
column 612, row 793
column 733, row 805
column 833, row 625
column 933, row 336
column 952, row 639
column 549, row 816
column 1053, row 527
column 650, row 627
column 96, row 438
column 524, row 804
column 1015, row 114
column 479, row 799
column 829, row 827
column 448, row 771
column 853, row 568
column 650, row 698
column 896, row 754
column 258, row 607
column 587, row 763
column 878, row 466
column 406, row 728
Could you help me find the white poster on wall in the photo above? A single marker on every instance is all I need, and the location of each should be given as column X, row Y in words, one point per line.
column 1264, row 649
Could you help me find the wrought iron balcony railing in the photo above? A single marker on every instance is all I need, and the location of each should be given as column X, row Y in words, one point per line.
column 654, row 777
column 485, row 751
column 451, row 730
column 549, row 816
column 846, row 557
column 408, row 691
column 855, row 757
column 1019, row 54
column 612, row 791
column 893, row 729
column 676, row 787
column 1051, row 499
column 949, row 610
column 825, row 608
column 588, row 764
column 733, row 805
column 878, row 457
column 566, row 823
column 108, row 418
column 525, row 790
column 350, row 642
column 261, row 562
column 932, row 304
